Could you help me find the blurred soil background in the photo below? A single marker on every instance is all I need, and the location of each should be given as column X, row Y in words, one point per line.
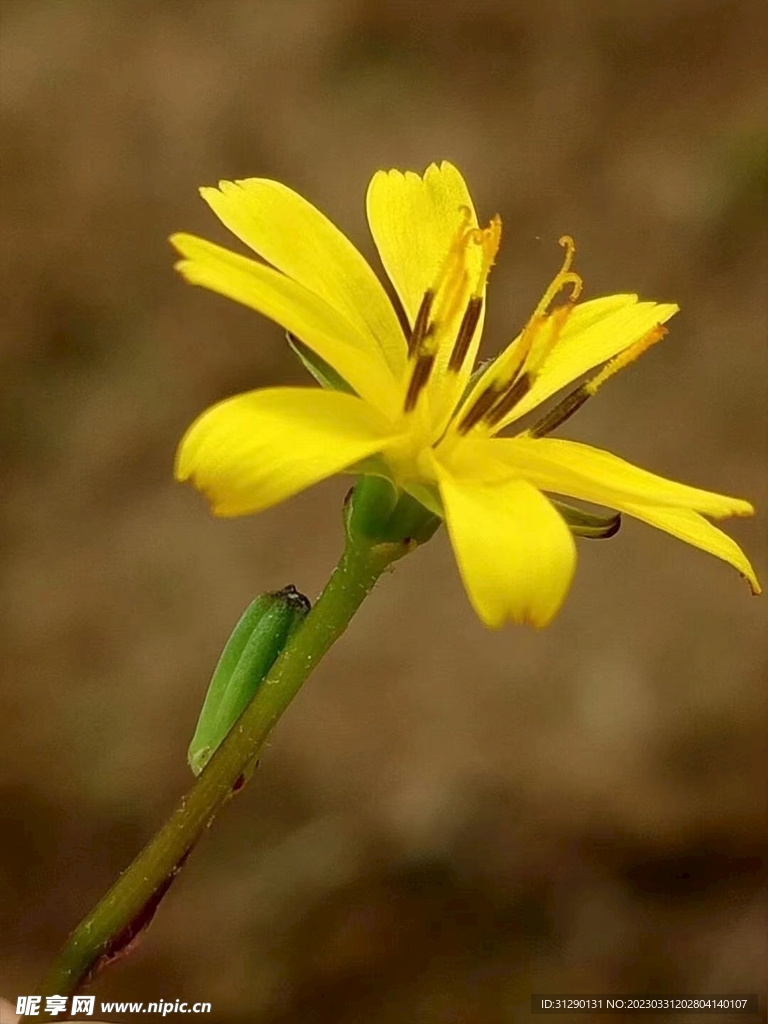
column 447, row 819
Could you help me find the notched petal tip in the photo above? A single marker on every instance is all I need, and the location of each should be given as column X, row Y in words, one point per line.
column 514, row 550
column 180, row 240
column 183, row 267
column 220, row 505
column 214, row 195
column 191, row 271
column 498, row 620
column 749, row 576
column 743, row 508
column 432, row 171
column 736, row 508
column 189, row 247
column 184, row 473
column 183, row 462
column 754, row 584
column 222, row 511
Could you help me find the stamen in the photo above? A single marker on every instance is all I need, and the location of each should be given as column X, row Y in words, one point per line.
column 540, row 317
column 418, row 381
column 629, row 355
column 554, row 322
column 567, row 243
column 402, row 316
column 452, row 289
column 517, row 390
column 478, row 409
column 574, row 400
column 455, row 251
column 564, row 277
column 466, row 332
column 421, row 323
column 516, row 381
column 489, row 239
column 563, row 411
column 452, row 296
column 446, row 291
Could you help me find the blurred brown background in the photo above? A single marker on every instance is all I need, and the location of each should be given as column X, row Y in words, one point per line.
column 446, row 819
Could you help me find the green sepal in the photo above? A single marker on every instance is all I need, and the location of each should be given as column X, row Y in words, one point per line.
column 370, row 505
column 588, row 524
column 249, row 654
column 411, row 520
column 428, row 496
column 377, row 511
column 323, row 372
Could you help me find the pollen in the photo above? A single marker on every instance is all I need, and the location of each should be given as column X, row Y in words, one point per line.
column 490, row 240
column 452, row 281
column 623, row 359
column 457, row 281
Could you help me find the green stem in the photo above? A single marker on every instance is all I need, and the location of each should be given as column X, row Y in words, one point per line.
column 130, row 903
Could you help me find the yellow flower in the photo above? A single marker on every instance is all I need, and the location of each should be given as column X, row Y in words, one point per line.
column 410, row 408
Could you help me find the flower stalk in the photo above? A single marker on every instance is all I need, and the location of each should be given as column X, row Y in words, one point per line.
column 115, row 923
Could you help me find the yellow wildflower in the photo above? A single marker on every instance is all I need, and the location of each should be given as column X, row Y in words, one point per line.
column 411, row 409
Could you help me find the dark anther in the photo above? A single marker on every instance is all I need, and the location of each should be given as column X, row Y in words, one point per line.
column 479, row 409
column 421, row 324
column 419, row 378
column 402, row 316
column 509, row 399
column 466, row 330
column 562, row 412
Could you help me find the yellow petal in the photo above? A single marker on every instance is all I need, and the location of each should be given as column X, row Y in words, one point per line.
column 414, row 220
column 581, row 471
column 598, row 333
column 595, row 332
column 296, row 238
column 515, row 553
column 694, row 529
column 254, row 450
column 300, row 311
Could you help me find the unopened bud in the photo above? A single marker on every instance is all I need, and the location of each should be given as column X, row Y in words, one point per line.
column 249, row 654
